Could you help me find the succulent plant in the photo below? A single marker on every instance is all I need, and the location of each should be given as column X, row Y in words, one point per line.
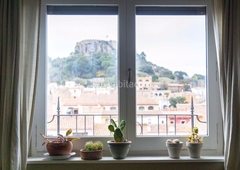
column 90, row 145
column 193, row 136
column 173, row 141
column 60, row 138
column 117, row 130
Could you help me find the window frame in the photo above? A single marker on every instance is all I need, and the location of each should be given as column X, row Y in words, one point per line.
column 213, row 142
column 126, row 50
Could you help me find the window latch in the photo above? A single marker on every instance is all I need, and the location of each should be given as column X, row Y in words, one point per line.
column 129, row 74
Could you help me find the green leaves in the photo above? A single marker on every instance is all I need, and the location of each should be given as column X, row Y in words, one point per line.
column 60, row 138
column 118, row 136
column 117, row 130
column 113, row 123
column 111, row 128
column 122, row 124
column 68, row 132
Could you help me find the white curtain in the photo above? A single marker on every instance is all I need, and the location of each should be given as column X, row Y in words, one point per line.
column 227, row 35
column 19, row 31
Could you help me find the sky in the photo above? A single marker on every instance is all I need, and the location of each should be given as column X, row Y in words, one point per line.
column 174, row 42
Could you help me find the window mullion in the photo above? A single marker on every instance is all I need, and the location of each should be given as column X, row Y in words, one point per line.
column 131, row 88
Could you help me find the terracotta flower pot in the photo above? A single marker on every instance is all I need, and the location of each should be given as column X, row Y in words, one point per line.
column 59, row 149
column 91, row 155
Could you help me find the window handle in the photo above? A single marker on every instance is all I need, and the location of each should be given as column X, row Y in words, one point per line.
column 129, row 74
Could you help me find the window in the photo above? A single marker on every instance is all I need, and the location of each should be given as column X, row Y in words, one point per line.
column 86, row 56
column 113, row 108
column 150, row 108
column 176, row 56
column 107, row 85
column 182, row 121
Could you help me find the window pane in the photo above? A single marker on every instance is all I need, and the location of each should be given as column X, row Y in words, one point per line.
column 170, row 71
column 82, row 73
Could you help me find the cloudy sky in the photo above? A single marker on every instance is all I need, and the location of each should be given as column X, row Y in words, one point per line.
column 174, row 42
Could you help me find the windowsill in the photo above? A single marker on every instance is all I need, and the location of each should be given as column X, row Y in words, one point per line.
column 130, row 159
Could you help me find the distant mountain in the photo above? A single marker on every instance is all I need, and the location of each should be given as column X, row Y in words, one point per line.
column 97, row 58
column 89, row 47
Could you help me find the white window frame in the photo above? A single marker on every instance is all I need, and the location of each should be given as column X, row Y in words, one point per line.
column 126, row 52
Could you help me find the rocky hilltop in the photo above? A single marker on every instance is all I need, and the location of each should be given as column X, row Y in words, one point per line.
column 88, row 47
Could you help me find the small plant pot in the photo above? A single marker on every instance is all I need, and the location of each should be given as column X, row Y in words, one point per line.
column 91, row 155
column 194, row 149
column 119, row 150
column 59, row 149
column 174, row 149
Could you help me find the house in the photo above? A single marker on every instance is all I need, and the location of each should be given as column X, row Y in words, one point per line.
column 175, row 87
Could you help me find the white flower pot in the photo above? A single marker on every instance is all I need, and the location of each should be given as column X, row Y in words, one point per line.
column 174, row 149
column 194, row 149
column 119, row 150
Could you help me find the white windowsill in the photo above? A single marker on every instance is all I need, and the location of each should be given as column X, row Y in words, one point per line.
column 130, row 159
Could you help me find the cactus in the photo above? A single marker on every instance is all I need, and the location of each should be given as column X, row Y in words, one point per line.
column 90, row 145
column 117, row 130
column 193, row 136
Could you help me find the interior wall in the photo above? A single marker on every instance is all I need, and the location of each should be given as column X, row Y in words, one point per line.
column 130, row 166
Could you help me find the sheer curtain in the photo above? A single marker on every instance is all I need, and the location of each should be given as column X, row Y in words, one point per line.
column 19, row 29
column 227, row 35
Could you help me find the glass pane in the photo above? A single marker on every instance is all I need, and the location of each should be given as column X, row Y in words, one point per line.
column 170, row 71
column 82, row 74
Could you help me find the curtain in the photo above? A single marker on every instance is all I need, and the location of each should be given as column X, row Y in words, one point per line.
column 19, row 31
column 226, row 18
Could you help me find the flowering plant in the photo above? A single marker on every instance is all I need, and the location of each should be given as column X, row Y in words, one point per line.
column 193, row 136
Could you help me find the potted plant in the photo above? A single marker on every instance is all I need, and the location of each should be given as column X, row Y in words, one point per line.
column 119, row 147
column 92, row 150
column 174, row 148
column 194, row 144
column 60, row 146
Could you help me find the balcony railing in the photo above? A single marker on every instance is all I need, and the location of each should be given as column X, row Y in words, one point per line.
column 162, row 129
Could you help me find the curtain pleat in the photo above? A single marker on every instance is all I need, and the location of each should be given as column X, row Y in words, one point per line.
column 227, row 36
column 19, row 33
column 9, row 109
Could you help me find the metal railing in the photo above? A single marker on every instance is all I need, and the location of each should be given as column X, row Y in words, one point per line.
column 141, row 123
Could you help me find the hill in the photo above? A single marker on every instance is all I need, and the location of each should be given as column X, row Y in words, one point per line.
column 97, row 58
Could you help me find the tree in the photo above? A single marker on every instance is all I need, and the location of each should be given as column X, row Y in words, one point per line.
column 146, row 69
column 82, row 67
column 198, row 77
column 180, row 75
column 173, row 101
column 143, row 55
column 154, row 78
column 181, row 100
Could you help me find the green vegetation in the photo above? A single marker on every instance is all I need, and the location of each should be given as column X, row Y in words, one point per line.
column 92, row 146
column 117, row 130
column 59, row 139
column 180, row 75
column 175, row 100
column 82, row 69
column 85, row 67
